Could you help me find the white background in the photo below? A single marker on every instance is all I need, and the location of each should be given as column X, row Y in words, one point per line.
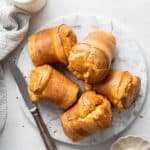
column 19, row 134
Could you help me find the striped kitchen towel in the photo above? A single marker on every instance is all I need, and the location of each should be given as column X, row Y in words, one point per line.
column 14, row 24
column 3, row 101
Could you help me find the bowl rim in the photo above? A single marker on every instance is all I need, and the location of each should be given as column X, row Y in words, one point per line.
column 129, row 136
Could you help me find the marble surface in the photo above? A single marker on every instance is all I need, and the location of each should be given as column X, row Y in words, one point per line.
column 135, row 15
column 128, row 54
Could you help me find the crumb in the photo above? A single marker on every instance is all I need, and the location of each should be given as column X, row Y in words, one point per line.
column 17, row 97
column 143, row 70
column 22, row 126
column 24, row 76
column 141, row 116
column 14, row 60
column 55, row 131
column 113, row 60
column 123, row 60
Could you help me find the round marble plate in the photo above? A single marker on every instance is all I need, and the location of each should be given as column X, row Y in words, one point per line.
column 128, row 57
column 3, row 101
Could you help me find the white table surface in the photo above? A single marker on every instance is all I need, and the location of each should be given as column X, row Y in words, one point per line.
column 19, row 134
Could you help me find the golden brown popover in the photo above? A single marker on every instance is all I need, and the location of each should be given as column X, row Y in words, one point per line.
column 51, row 45
column 90, row 59
column 92, row 113
column 46, row 82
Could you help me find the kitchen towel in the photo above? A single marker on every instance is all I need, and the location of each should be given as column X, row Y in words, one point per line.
column 14, row 24
column 3, row 101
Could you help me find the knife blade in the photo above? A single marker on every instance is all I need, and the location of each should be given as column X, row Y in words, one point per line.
column 21, row 84
column 49, row 143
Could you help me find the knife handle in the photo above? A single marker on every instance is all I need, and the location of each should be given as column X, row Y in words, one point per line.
column 47, row 139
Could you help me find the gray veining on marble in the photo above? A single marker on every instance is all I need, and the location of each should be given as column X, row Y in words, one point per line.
column 128, row 57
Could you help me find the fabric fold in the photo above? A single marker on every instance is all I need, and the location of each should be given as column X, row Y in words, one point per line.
column 14, row 24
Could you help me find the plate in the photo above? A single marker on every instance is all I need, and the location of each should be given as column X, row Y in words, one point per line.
column 3, row 101
column 128, row 57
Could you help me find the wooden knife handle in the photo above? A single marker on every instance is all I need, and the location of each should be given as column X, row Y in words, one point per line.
column 49, row 143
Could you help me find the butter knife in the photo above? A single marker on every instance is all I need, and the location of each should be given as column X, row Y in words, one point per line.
column 47, row 139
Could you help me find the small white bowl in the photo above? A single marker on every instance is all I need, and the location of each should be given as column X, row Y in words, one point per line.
column 31, row 6
column 131, row 143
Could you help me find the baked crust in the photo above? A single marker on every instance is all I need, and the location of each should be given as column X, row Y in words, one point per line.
column 90, row 59
column 46, row 82
column 51, row 45
column 91, row 114
column 120, row 87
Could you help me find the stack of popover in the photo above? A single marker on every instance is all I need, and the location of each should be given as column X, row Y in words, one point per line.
column 90, row 61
